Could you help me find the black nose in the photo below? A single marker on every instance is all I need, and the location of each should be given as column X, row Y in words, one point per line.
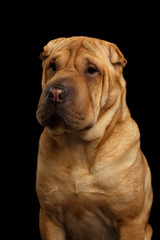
column 57, row 95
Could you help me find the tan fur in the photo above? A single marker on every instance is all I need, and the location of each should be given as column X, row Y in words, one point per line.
column 93, row 181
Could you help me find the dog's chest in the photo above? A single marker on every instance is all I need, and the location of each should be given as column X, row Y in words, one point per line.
column 77, row 202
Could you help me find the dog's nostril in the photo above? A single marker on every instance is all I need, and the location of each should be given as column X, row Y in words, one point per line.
column 61, row 95
column 50, row 95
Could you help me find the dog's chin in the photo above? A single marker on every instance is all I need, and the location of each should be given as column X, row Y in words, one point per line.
column 56, row 121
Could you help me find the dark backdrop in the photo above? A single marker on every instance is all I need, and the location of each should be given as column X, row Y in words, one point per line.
column 137, row 37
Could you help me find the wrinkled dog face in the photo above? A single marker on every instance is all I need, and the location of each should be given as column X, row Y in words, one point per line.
column 75, row 82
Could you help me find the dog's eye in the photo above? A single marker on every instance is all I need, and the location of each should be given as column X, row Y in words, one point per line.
column 92, row 70
column 53, row 66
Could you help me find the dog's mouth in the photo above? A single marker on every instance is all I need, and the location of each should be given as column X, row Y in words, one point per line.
column 67, row 121
column 63, row 116
column 70, row 123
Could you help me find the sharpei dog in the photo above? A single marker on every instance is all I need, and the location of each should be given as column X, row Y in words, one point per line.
column 93, row 181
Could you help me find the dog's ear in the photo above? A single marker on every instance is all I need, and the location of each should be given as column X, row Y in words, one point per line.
column 116, row 56
column 42, row 56
column 51, row 45
column 47, row 50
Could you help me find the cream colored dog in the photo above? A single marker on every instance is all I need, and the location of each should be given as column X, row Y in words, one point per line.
column 93, row 181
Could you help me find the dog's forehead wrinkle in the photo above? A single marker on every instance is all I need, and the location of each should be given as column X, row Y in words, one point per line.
column 65, row 50
column 75, row 45
column 71, row 54
column 63, row 45
column 95, row 47
column 87, row 45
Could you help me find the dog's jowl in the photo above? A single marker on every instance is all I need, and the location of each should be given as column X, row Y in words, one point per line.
column 93, row 181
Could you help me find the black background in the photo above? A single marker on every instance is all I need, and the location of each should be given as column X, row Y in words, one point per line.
column 134, row 30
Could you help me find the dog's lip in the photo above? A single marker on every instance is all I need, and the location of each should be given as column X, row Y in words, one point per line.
column 86, row 128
